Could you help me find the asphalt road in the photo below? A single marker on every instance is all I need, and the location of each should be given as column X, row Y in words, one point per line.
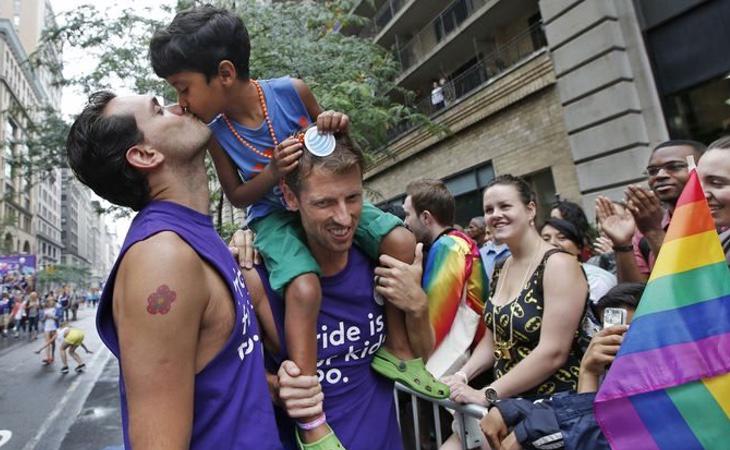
column 42, row 409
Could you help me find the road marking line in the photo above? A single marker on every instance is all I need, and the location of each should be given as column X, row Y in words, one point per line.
column 65, row 399
column 5, row 436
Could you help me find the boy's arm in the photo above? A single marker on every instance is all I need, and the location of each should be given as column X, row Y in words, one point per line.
column 160, row 295
column 240, row 194
column 326, row 120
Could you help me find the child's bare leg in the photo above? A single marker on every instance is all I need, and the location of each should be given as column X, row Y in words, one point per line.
column 400, row 244
column 302, row 298
column 72, row 352
column 62, row 350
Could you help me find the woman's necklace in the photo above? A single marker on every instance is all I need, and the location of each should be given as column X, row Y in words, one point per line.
column 250, row 146
column 503, row 349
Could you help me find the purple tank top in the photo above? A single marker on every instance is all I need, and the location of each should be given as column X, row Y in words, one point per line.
column 350, row 329
column 232, row 408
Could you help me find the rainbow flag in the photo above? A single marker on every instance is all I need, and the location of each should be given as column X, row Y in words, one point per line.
column 669, row 386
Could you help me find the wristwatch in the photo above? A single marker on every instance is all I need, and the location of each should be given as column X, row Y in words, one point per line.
column 490, row 394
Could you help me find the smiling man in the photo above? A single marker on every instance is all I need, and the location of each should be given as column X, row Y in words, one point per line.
column 359, row 407
column 668, row 173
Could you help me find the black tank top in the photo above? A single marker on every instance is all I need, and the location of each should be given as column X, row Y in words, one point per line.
column 526, row 316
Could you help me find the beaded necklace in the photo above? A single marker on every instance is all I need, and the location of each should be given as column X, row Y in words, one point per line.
column 262, row 102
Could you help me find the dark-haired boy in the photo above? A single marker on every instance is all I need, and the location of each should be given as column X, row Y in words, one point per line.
column 204, row 54
column 566, row 420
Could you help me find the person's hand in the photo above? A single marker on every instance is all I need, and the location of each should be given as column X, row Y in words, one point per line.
column 285, row 157
column 619, row 227
column 603, row 245
column 494, row 428
column 332, row 122
column 300, row 394
column 453, row 380
column 400, row 283
column 510, row 442
column 646, row 208
column 463, row 393
column 602, row 349
column 241, row 246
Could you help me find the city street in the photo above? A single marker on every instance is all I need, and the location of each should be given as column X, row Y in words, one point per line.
column 42, row 409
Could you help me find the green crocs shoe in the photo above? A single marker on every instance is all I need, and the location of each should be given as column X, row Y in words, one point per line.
column 329, row 442
column 411, row 373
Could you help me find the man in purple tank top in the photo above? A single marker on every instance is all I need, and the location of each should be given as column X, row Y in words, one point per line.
column 358, row 403
column 175, row 310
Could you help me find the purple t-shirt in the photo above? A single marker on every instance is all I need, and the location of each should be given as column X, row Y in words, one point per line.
column 232, row 408
column 350, row 329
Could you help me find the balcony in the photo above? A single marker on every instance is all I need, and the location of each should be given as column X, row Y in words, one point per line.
column 439, row 29
column 485, row 71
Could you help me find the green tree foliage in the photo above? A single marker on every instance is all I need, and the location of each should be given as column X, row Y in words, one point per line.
column 297, row 38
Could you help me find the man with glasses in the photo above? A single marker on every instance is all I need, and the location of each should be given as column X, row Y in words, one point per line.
column 667, row 174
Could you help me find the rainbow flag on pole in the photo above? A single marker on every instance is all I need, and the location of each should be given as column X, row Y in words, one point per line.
column 669, row 386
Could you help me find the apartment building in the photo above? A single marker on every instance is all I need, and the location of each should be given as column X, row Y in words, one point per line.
column 571, row 94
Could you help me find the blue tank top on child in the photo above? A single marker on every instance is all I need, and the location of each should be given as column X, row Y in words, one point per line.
column 288, row 115
column 350, row 329
column 232, row 408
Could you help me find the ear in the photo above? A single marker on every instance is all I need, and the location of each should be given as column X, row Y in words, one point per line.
column 144, row 158
column 290, row 197
column 426, row 217
column 532, row 211
column 227, row 72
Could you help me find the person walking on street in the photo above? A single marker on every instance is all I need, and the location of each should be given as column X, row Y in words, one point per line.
column 32, row 310
column 49, row 328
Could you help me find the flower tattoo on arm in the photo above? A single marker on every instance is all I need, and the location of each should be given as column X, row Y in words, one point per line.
column 161, row 300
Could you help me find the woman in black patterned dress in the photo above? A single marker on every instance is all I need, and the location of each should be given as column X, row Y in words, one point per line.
column 537, row 300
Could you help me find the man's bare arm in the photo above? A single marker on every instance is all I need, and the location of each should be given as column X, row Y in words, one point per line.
column 159, row 297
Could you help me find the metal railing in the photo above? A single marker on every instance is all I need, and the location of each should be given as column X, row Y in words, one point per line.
column 459, row 410
column 501, row 59
column 386, row 13
column 439, row 29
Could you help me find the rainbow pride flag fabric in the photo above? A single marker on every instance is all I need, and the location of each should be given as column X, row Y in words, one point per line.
column 669, row 386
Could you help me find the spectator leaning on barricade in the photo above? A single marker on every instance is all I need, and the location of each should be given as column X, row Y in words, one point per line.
column 714, row 172
column 566, row 420
column 538, row 299
column 652, row 209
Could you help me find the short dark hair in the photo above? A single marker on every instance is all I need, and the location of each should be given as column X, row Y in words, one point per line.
column 345, row 156
column 622, row 295
column 573, row 213
column 527, row 195
column 567, row 229
column 722, row 143
column 698, row 147
column 432, row 196
column 396, row 210
column 96, row 148
column 197, row 40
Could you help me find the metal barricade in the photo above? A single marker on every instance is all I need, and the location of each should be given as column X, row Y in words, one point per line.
column 458, row 409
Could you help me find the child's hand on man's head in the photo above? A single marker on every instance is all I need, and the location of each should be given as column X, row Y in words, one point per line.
column 332, row 122
column 286, row 157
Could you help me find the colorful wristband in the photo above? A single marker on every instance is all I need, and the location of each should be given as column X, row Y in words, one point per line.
column 309, row 426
